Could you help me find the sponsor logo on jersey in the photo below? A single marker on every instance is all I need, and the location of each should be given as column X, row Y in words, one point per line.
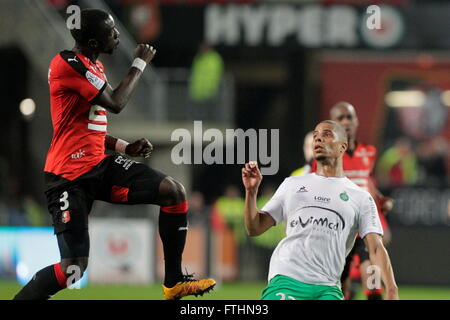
column 126, row 163
column 302, row 189
column 77, row 155
column 322, row 222
column 319, row 222
column 364, row 154
column 94, row 80
column 322, row 199
column 373, row 213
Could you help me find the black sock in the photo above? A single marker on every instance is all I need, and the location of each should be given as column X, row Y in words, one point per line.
column 173, row 232
column 42, row 286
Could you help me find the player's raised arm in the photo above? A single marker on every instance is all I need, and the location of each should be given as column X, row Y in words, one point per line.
column 116, row 99
column 380, row 258
column 256, row 222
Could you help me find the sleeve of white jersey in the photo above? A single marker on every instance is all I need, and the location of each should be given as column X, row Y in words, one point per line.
column 368, row 220
column 275, row 206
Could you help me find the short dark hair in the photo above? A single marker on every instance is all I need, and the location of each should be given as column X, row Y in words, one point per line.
column 338, row 129
column 90, row 25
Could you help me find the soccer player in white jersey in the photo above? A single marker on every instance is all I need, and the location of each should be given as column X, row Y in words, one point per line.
column 323, row 212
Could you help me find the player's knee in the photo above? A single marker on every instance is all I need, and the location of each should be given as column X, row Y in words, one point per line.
column 173, row 191
column 180, row 192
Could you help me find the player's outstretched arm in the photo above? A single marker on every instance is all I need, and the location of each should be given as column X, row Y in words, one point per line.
column 114, row 100
column 380, row 258
column 256, row 222
column 139, row 148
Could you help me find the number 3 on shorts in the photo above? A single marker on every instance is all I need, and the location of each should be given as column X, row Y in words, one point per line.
column 64, row 200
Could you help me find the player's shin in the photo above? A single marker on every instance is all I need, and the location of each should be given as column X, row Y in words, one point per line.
column 44, row 284
column 173, row 227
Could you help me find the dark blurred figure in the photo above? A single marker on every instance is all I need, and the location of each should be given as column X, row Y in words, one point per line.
column 199, row 212
column 308, row 154
column 432, row 158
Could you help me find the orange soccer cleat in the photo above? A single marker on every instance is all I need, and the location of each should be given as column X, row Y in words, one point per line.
column 189, row 286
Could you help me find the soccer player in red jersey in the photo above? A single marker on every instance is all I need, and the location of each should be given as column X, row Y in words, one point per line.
column 359, row 161
column 78, row 172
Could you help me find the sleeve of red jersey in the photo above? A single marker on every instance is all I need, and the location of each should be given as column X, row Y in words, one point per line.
column 88, row 85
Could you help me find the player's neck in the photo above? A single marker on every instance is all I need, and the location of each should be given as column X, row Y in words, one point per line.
column 330, row 168
column 86, row 52
column 351, row 146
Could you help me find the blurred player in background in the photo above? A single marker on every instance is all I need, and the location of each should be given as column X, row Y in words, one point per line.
column 358, row 162
column 308, row 154
column 323, row 212
column 77, row 170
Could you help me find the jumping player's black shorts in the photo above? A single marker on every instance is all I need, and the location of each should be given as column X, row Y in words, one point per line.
column 117, row 179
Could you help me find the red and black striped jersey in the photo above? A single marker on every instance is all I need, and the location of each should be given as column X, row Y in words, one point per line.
column 79, row 127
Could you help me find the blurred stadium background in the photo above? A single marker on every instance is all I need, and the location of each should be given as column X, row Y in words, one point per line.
column 269, row 64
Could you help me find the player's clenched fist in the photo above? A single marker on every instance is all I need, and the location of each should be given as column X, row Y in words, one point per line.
column 139, row 148
column 144, row 52
column 251, row 176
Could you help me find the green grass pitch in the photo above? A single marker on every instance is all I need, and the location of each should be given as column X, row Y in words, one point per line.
column 225, row 291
